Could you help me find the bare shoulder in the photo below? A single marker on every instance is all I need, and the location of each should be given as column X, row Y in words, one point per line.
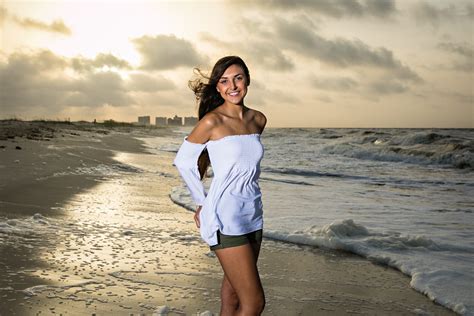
column 202, row 132
column 260, row 119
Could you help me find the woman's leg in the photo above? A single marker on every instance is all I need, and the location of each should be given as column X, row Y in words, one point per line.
column 241, row 278
column 229, row 298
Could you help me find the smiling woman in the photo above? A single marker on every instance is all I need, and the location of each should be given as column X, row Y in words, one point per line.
column 230, row 216
column 233, row 85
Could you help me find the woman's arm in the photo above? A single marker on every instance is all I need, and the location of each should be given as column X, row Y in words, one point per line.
column 261, row 121
column 187, row 157
column 202, row 132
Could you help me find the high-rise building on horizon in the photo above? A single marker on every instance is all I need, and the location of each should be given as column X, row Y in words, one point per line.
column 161, row 121
column 190, row 120
column 175, row 121
column 144, row 120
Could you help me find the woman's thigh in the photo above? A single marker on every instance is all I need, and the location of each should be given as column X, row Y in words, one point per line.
column 240, row 268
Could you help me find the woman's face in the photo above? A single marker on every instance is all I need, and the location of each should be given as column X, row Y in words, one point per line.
column 233, row 85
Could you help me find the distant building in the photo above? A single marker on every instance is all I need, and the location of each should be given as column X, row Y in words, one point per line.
column 190, row 120
column 144, row 120
column 175, row 121
column 160, row 121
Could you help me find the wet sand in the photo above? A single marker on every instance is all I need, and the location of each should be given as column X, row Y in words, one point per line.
column 87, row 227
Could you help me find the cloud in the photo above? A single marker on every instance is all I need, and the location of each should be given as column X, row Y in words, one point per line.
column 277, row 44
column 425, row 12
column 462, row 49
column 378, row 85
column 257, row 51
column 470, row 10
column 164, row 52
column 45, row 84
column 331, row 8
column 387, row 86
column 81, row 64
column 56, row 26
column 3, row 14
column 260, row 95
column 24, row 84
column 339, row 52
column 463, row 52
column 41, row 82
column 146, row 83
column 334, row 83
column 98, row 89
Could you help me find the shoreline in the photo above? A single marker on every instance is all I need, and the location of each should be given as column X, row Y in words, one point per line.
column 147, row 251
column 34, row 154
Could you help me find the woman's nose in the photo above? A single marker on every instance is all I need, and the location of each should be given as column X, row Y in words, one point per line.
column 233, row 85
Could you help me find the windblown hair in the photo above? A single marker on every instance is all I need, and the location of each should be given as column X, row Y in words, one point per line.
column 209, row 98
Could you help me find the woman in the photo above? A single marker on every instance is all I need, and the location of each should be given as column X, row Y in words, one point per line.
column 230, row 217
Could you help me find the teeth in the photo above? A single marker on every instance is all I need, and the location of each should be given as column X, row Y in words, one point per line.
column 233, row 93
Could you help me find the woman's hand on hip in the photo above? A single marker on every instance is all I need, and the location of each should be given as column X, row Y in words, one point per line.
column 196, row 216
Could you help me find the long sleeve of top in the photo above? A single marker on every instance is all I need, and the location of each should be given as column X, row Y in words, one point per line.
column 186, row 162
column 233, row 204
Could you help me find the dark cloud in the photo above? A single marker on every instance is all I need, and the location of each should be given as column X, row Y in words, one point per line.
column 387, row 86
column 25, row 85
column 98, row 89
column 56, row 26
column 260, row 95
column 425, row 12
column 81, row 64
column 381, row 8
column 39, row 82
column 381, row 85
column 164, row 52
column 146, row 83
column 324, row 98
column 334, row 83
column 463, row 54
column 257, row 51
column 462, row 49
column 43, row 60
column 45, row 83
column 338, row 52
column 470, row 10
column 331, row 8
column 111, row 61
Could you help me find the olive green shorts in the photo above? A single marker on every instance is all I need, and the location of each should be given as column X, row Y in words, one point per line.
column 227, row 241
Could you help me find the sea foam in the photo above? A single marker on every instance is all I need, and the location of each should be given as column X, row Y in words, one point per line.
column 400, row 197
column 417, row 256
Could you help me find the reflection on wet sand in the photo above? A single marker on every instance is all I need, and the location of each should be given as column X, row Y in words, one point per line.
column 121, row 244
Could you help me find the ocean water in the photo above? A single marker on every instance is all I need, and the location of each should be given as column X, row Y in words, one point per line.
column 399, row 197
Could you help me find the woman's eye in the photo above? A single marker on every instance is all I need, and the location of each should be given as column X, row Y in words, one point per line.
column 223, row 81
column 239, row 78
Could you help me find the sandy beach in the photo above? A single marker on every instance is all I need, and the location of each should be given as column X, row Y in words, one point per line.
column 87, row 227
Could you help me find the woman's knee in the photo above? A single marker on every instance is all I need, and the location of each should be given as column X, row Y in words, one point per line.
column 228, row 294
column 255, row 306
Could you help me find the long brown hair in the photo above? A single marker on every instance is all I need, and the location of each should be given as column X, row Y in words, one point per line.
column 209, row 98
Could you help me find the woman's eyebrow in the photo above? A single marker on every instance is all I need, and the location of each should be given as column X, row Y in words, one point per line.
column 223, row 77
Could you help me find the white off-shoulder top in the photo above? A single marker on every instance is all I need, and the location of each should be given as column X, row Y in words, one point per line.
column 233, row 204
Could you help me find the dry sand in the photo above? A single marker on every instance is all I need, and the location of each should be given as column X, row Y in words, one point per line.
column 82, row 233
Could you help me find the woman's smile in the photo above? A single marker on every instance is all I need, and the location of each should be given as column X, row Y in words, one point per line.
column 232, row 85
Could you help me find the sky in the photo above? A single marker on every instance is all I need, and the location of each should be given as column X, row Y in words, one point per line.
column 313, row 63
